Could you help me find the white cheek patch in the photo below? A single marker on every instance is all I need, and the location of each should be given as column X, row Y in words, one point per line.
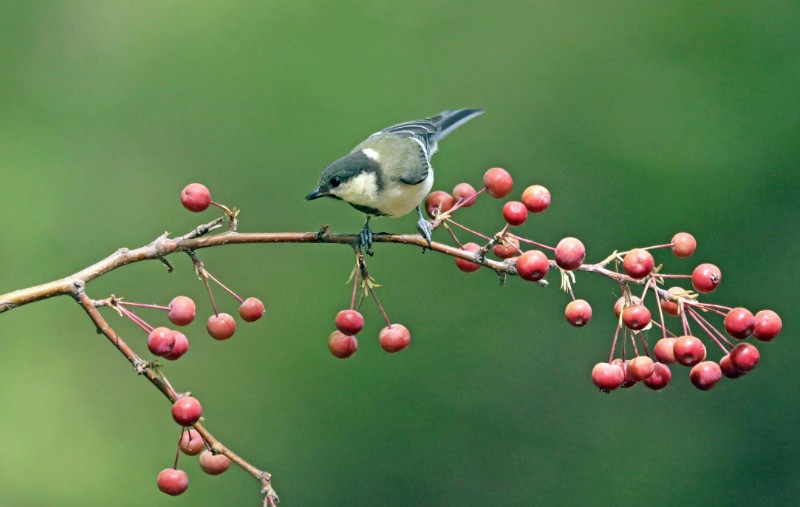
column 372, row 154
column 363, row 189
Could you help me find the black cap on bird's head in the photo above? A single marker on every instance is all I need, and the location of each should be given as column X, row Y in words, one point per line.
column 340, row 172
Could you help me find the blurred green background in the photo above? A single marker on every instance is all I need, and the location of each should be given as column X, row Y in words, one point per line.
column 643, row 119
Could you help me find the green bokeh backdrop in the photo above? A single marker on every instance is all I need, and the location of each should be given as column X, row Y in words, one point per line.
column 643, row 119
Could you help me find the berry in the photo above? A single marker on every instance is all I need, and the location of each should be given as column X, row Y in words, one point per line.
column 607, row 377
column 640, row 368
column 739, row 323
column 636, row 317
column 465, row 265
column 515, row 213
column 578, row 312
column 438, row 202
column 173, row 481
column 532, row 265
column 705, row 375
column 683, row 245
column 180, row 348
column 627, row 381
column 181, row 311
column 618, row 306
column 536, row 198
column 349, row 322
column 191, row 442
column 187, row 411
column 570, row 253
column 767, row 325
column 671, row 307
column 465, row 193
column 664, row 350
column 160, row 341
column 195, row 197
column 498, row 182
column 660, row 377
column 342, row 345
column 744, row 357
column 507, row 248
column 394, row 338
column 706, row 277
column 221, row 327
column 728, row 369
column 251, row 309
column 214, row 464
column 638, row 263
column 688, row 350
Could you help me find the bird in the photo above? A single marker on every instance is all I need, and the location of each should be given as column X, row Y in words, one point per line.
column 390, row 172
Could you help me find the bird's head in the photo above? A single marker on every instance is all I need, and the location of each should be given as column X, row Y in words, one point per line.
column 355, row 179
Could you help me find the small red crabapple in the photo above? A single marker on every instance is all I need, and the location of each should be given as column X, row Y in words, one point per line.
column 620, row 304
column 683, row 245
column 636, row 317
column 638, row 263
column 498, row 182
column 570, row 253
column 536, row 198
column 221, row 327
column 578, row 312
column 660, row 377
column 532, row 265
column 465, row 193
column 607, row 377
column 671, row 307
column 187, row 411
column 744, row 357
column 394, row 338
column 663, row 350
column 191, row 442
column 728, row 369
column 515, row 213
column 214, row 464
column 465, row 265
column 181, row 311
column 173, row 481
column 627, row 381
column 251, row 309
column 767, row 325
column 438, row 202
column 349, row 322
column 180, row 348
column 640, row 368
column 342, row 345
column 195, row 197
column 688, row 350
column 160, row 341
column 706, row 278
column 507, row 248
column 705, row 375
column 739, row 323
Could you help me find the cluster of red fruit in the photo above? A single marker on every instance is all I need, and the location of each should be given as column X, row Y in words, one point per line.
column 343, row 343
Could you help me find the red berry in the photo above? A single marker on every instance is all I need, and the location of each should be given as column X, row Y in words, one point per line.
column 221, row 327
column 578, row 312
column 744, row 357
column 570, row 253
column 507, row 248
column 187, row 411
column 636, row 317
column 191, row 442
column 394, row 338
column 195, row 197
column 688, row 350
column 628, row 381
column 342, row 345
column 498, row 182
column 181, row 311
column 706, row 277
column 160, row 341
column 671, row 307
column 607, row 377
column 180, row 348
column 683, row 244
column 532, row 265
column 739, row 323
column 660, row 377
column 214, row 464
column 438, row 202
column 465, row 193
column 640, row 368
column 620, row 304
column 767, row 325
column 536, row 198
column 728, row 369
column 705, row 375
column 663, row 350
column 349, row 322
column 173, row 481
column 465, row 265
column 515, row 213
column 251, row 309
column 638, row 263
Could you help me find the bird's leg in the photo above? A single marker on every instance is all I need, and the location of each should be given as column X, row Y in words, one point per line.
column 366, row 238
column 424, row 228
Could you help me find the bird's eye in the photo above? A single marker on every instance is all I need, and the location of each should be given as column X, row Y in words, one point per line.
column 335, row 182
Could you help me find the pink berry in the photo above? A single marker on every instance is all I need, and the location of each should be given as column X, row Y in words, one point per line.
column 438, row 202
column 767, row 325
column 636, row 317
column 532, row 265
column 664, row 350
column 160, row 341
column 394, row 338
column 507, row 248
column 195, row 197
column 640, row 368
column 498, row 182
column 728, row 369
column 607, row 377
column 660, row 377
column 638, row 263
column 214, row 464
column 683, row 245
column 515, row 213
column 221, row 327
column 181, row 311
column 251, row 309
column 739, row 323
column 706, row 278
column 705, row 375
column 578, row 312
column 620, row 304
column 173, row 481
column 187, row 411
column 342, row 345
column 465, row 193
column 349, row 322
column 570, row 253
column 191, row 442
column 744, row 357
column 536, row 198
column 671, row 307
column 465, row 265
column 688, row 350
column 180, row 348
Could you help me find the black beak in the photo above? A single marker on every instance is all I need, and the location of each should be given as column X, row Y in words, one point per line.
column 315, row 194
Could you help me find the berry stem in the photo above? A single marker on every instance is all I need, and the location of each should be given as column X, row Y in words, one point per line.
column 464, row 227
column 709, row 329
column 380, row 307
column 614, row 344
column 531, row 242
column 660, row 310
column 135, row 318
column 143, row 305
column 203, row 274
column 239, row 299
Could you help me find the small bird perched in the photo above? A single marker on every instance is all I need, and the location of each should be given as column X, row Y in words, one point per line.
column 390, row 173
